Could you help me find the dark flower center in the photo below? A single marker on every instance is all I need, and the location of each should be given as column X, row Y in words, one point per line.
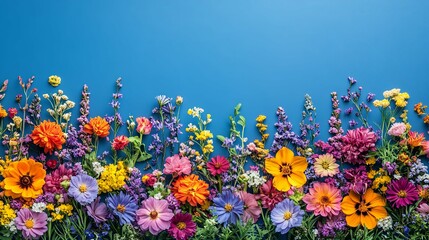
column 286, row 169
column 362, row 208
column 153, row 214
column 217, row 165
column 325, row 200
column 181, row 225
column 25, row 181
column 325, row 165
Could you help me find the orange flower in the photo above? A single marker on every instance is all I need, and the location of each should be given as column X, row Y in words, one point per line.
column 49, row 136
column 287, row 170
column 3, row 112
column 364, row 209
column 98, row 126
column 415, row 139
column 24, row 178
column 190, row 189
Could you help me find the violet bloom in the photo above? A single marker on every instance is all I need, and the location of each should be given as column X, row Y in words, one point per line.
column 32, row 224
column 182, row 227
column 98, row 211
column 123, row 206
column 401, row 193
column 154, row 215
column 83, row 188
column 227, row 207
column 286, row 215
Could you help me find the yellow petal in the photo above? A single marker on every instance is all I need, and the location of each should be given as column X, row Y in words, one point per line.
column 368, row 221
column 297, row 179
column 348, row 206
column 374, row 199
column 272, row 166
column 38, row 184
column 378, row 212
column 285, row 155
column 299, row 164
column 353, row 220
column 281, row 183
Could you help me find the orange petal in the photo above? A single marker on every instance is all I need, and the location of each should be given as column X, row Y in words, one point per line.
column 10, row 182
column 16, row 189
column 38, row 173
column 368, row 221
column 374, row 199
column 272, row 166
column 355, row 197
column 348, row 206
column 281, row 183
column 23, row 167
column 353, row 220
column 285, row 155
column 14, row 173
column 378, row 212
column 299, row 164
column 297, row 179
column 38, row 184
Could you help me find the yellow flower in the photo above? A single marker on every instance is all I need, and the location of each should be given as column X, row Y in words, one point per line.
column 391, row 93
column 112, row 178
column 381, row 103
column 203, row 135
column 3, row 112
column 54, row 80
column 7, row 214
column 287, row 169
column 370, row 161
column 261, row 118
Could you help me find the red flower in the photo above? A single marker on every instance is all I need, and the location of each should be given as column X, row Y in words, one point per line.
column 120, row 142
column 218, row 165
column 12, row 112
column 51, row 163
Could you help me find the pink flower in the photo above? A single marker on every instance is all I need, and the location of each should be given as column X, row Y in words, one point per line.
column 177, row 165
column 120, row 142
column 252, row 211
column 154, row 215
column 269, row 195
column 218, row 165
column 401, row 193
column 357, row 143
column 143, row 125
column 12, row 112
column 182, row 227
column 397, row 129
column 54, row 179
column 323, row 199
column 423, row 209
column 425, row 146
column 32, row 224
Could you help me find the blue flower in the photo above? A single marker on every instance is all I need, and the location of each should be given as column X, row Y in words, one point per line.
column 123, row 206
column 286, row 215
column 83, row 188
column 227, row 207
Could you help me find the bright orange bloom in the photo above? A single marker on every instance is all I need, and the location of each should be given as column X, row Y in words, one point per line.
column 415, row 139
column 98, row 126
column 24, row 178
column 287, row 170
column 364, row 209
column 49, row 136
column 3, row 112
column 190, row 189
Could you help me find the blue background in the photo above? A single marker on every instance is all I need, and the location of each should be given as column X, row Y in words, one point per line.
column 216, row 54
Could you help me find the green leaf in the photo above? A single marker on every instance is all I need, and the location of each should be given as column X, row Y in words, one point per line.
column 237, row 109
column 221, row 138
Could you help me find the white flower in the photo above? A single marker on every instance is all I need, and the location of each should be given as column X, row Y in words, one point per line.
column 38, row 207
column 98, row 169
column 11, row 226
column 45, row 96
column 385, row 223
column 158, row 196
column 159, row 185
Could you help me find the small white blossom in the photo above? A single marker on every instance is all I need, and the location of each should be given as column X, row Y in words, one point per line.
column 385, row 223
column 38, row 207
column 158, row 196
column 98, row 169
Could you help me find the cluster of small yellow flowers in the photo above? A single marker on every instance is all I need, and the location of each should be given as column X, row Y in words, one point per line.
column 257, row 148
column 7, row 214
column 54, row 80
column 58, row 213
column 381, row 103
column 403, row 157
column 370, row 161
column 3, row 112
column 112, row 178
column 420, row 109
column 395, row 94
column 208, row 148
column 4, row 163
column 401, row 99
column 202, row 136
column 381, row 179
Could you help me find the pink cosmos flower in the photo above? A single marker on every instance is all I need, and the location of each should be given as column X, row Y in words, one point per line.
column 357, row 143
column 177, row 165
column 323, row 199
column 54, row 179
column 423, row 209
column 252, row 211
column 154, row 215
column 401, row 193
column 218, row 165
column 143, row 125
column 397, row 129
column 120, row 142
column 182, row 227
column 32, row 224
column 269, row 195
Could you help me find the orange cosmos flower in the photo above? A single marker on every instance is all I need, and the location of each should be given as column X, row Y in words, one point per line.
column 24, row 178
column 287, row 169
column 98, row 126
column 49, row 136
column 190, row 189
column 364, row 209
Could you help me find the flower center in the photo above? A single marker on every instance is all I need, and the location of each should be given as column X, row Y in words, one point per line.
column 362, row 208
column 287, row 215
column 153, row 214
column 325, row 165
column 286, row 169
column 325, row 200
column 402, row 194
column 25, row 181
column 82, row 188
column 228, row 207
column 217, row 165
column 181, row 225
column 29, row 223
column 121, row 208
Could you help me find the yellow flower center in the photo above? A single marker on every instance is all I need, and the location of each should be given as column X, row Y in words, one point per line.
column 29, row 223
column 362, row 207
column 325, row 165
column 286, row 169
column 25, row 181
column 82, row 188
column 181, row 225
column 287, row 215
column 153, row 214
column 228, row 207
column 402, row 194
column 121, row 208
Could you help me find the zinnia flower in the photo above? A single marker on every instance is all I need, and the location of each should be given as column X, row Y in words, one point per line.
column 182, row 227
column 120, row 142
column 252, row 210
column 287, row 169
column 286, row 215
column 218, row 165
column 97, row 211
column 402, row 193
column 123, row 206
column 154, row 215
column 227, row 207
column 189, row 189
column 54, row 179
column 325, row 166
column 364, row 209
column 32, row 224
column 98, row 126
column 397, row 129
column 357, row 143
column 49, row 136
column 143, row 125
column 177, row 165
column 269, row 195
column 24, row 178
column 83, row 188
column 323, row 199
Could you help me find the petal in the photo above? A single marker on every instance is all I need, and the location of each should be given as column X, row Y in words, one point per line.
column 285, row 155
column 353, row 220
column 368, row 221
column 299, row 164
column 354, row 197
column 272, row 166
column 297, row 179
column 348, row 206
column 23, row 167
column 281, row 183
column 378, row 212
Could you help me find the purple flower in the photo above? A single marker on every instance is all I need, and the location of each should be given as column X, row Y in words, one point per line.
column 286, row 215
column 83, row 188
column 182, row 227
column 227, row 207
column 32, row 224
column 98, row 211
column 401, row 193
column 123, row 206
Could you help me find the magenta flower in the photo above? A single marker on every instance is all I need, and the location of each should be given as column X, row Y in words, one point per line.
column 182, row 227
column 357, row 143
column 269, row 195
column 177, row 166
column 32, row 224
column 252, row 211
column 54, row 179
column 154, row 215
column 401, row 193
column 218, row 165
